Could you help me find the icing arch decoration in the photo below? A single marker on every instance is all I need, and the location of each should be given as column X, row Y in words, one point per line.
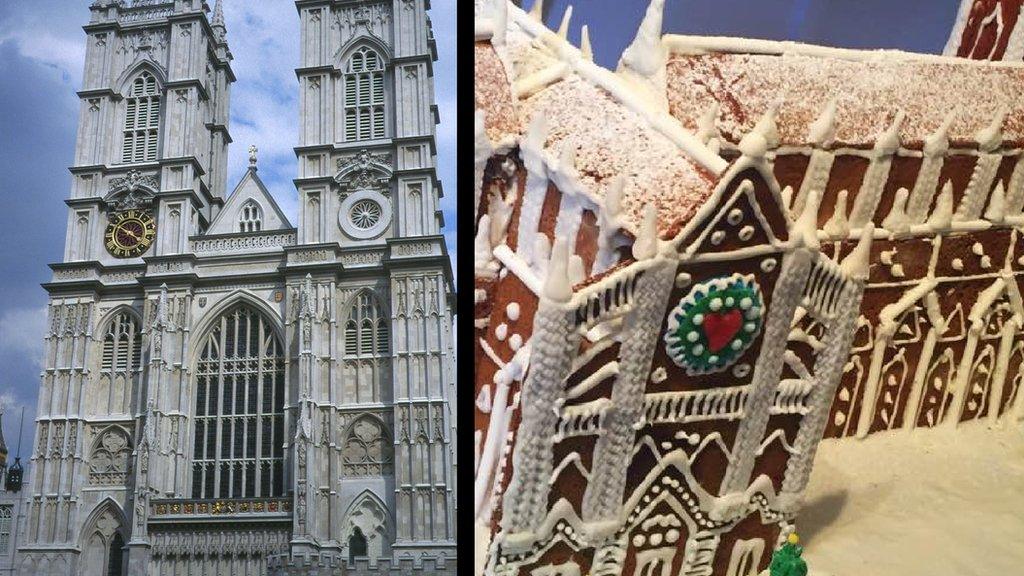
column 715, row 323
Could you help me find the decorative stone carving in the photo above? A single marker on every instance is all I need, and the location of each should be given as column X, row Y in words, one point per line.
column 367, row 450
column 133, row 192
column 108, row 461
column 364, row 171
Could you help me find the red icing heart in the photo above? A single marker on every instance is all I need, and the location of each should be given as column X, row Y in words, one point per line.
column 719, row 328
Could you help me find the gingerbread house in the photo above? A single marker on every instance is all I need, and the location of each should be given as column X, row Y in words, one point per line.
column 691, row 269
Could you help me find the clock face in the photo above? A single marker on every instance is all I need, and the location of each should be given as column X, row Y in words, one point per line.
column 130, row 234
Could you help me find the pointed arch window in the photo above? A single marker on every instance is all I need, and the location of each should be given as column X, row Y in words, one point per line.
column 122, row 345
column 364, row 96
column 250, row 218
column 142, row 120
column 366, row 350
column 366, row 332
column 240, row 388
column 6, row 512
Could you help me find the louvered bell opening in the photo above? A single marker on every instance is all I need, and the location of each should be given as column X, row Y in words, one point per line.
column 378, row 122
column 382, row 338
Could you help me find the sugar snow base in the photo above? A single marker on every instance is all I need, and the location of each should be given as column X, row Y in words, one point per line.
column 941, row 502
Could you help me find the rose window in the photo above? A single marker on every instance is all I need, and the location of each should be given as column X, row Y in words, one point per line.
column 365, row 214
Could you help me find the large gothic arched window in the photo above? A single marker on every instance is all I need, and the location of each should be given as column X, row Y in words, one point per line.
column 240, row 387
column 142, row 120
column 120, row 365
column 364, row 96
column 367, row 346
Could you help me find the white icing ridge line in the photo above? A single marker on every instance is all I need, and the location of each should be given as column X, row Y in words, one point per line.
column 521, row 269
column 619, row 89
column 606, row 371
column 574, row 459
column 687, row 45
column 778, row 433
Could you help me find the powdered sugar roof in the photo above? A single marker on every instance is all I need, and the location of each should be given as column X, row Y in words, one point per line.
column 493, row 95
column 747, row 76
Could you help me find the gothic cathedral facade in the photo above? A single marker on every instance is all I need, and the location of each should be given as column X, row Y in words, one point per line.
column 224, row 391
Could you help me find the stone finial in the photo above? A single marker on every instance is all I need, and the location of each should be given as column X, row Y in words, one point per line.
column 218, row 20
column 253, row 151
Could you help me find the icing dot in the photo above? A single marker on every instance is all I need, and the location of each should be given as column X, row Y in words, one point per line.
column 769, row 264
column 735, row 216
column 712, row 359
column 698, row 319
column 501, row 332
column 746, row 233
column 716, row 304
column 672, row 536
column 512, row 311
column 730, row 301
column 978, row 249
column 753, row 313
column 750, row 326
column 737, row 344
column 659, row 376
column 638, row 540
column 692, row 336
column 698, row 349
column 656, row 539
column 664, row 446
column 741, row 370
column 515, row 342
column 958, row 264
column 683, row 280
column 717, row 237
column 746, row 303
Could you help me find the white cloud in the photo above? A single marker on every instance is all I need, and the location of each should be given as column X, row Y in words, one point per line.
column 21, row 333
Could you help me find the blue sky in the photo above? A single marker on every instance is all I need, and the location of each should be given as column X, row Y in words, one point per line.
column 41, row 54
column 42, row 50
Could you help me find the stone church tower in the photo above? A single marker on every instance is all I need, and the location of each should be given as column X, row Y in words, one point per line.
column 225, row 392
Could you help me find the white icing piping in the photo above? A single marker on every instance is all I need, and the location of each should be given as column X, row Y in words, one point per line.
column 622, row 91
column 517, row 266
column 606, row 371
column 699, row 45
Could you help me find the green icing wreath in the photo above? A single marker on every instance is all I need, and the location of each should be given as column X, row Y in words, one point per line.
column 715, row 323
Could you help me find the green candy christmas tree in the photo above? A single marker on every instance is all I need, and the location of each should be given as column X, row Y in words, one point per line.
column 787, row 561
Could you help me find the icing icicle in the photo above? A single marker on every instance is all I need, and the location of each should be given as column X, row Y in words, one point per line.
column 586, row 50
column 996, row 211
column 646, row 55
column 823, row 130
column 533, row 144
column 889, row 141
column 563, row 28
column 706, row 126
column 787, row 197
column 763, row 137
column 537, row 11
column 857, row 264
column 483, row 256
column 838, row 226
column 937, row 143
column 990, row 138
column 896, row 221
column 806, row 226
column 557, row 285
column 942, row 216
column 646, row 245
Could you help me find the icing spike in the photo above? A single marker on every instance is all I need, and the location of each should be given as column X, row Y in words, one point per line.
column 482, row 254
column 896, row 221
column 857, row 264
column 942, row 216
column 806, row 226
column 767, row 126
column 563, row 28
column 646, row 244
column 991, row 137
column 838, row 226
column 889, row 140
column 537, row 11
column 787, row 197
column 936, row 143
column 706, row 126
column 577, row 270
column 646, row 55
column 996, row 211
column 537, row 132
column 613, row 197
column 556, row 285
column 541, row 248
column 586, row 49
column 823, row 130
